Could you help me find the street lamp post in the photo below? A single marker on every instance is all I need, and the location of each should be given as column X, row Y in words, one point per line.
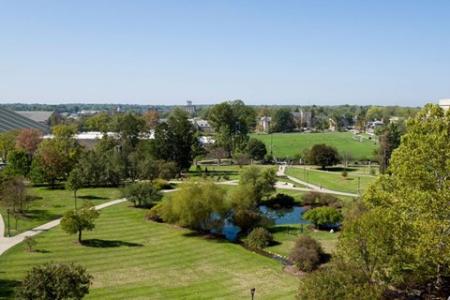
column 9, row 230
column 359, row 185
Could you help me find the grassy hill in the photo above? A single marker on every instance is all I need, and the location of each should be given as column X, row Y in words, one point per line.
column 289, row 144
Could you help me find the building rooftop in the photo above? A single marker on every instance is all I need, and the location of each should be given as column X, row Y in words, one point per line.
column 10, row 120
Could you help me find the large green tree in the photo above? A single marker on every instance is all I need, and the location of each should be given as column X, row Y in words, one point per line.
column 175, row 140
column 399, row 239
column 389, row 141
column 232, row 121
column 283, row 120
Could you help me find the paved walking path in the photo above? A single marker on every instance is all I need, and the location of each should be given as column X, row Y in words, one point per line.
column 8, row 242
column 311, row 187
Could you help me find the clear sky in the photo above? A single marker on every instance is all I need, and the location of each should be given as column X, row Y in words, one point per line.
column 263, row 52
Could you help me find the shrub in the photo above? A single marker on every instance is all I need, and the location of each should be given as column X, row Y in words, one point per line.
column 281, row 200
column 142, row 194
column 320, row 199
column 306, row 254
column 258, row 238
column 373, row 171
column 55, row 281
column 323, row 216
column 154, row 214
column 329, row 283
column 344, row 173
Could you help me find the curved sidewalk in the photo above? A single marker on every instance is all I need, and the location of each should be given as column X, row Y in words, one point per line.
column 9, row 242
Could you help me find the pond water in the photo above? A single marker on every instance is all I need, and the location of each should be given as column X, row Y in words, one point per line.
column 283, row 216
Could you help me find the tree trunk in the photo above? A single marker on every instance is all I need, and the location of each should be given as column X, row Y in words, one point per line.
column 79, row 236
column 75, row 197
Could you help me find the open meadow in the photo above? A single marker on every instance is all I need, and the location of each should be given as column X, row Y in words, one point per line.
column 291, row 144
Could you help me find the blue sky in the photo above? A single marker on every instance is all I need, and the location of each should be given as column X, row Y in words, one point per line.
column 263, row 52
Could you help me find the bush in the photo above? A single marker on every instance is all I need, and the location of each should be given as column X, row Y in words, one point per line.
column 320, row 199
column 154, row 214
column 329, row 283
column 323, row 216
column 344, row 173
column 143, row 194
column 307, row 253
column 373, row 172
column 281, row 201
column 258, row 238
column 55, row 281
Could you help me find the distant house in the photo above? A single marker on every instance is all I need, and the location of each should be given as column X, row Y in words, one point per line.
column 332, row 126
column 445, row 104
column 265, row 123
column 10, row 120
column 201, row 125
column 303, row 119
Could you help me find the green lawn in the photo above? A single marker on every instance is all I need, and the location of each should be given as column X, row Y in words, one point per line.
column 332, row 180
column 137, row 259
column 286, row 235
column 50, row 204
column 290, row 144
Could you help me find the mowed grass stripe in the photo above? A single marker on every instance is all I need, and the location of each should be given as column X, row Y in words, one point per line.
column 169, row 264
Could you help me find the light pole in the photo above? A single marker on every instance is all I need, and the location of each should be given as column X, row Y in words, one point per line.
column 9, row 227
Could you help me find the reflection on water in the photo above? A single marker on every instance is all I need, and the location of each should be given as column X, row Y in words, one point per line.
column 282, row 216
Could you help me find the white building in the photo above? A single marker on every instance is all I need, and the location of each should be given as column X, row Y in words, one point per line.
column 445, row 104
column 265, row 123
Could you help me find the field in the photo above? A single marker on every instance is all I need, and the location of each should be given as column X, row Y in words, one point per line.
column 333, row 180
column 51, row 204
column 132, row 258
column 290, row 144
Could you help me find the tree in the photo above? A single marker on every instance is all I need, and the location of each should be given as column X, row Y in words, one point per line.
column 322, row 216
column 389, row 141
column 74, row 182
column 19, row 163
column 142, row 194
column 13, row 193
column 199, row 206
column 307, row 253
column 99, row 122
column 28, row 140
column 283, row 121
column 399, row 240
column 323, row 155
column 256, row 149
column 258, row 238
column 261, row 181
column 76, row 221
column 151, row 118
column 231, row 121
column 174, row 140
column 7, row 143
column 55, row 282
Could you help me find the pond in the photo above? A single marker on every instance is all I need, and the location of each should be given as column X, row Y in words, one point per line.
column 282, row 216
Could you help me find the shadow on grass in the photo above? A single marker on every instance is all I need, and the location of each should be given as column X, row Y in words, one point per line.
column 8, row 288
column 39, row 214
column 92, row 197
column 218, row 238
column 43, row 251
column 338, row 169
column 97, row 243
